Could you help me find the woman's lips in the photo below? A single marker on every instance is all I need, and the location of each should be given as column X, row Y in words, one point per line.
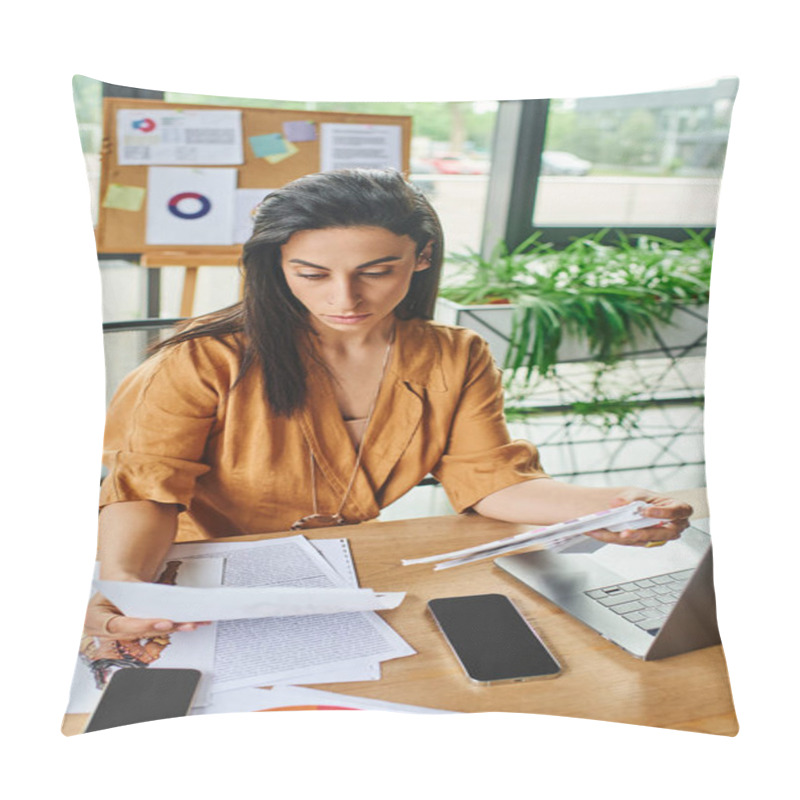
column 349, row 319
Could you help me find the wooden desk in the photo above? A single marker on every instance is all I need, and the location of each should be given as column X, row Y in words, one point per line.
column 599, row 680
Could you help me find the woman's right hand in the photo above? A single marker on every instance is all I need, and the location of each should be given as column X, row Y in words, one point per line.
column 105, row 621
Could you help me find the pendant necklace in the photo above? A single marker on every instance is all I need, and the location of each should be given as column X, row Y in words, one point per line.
column 317, row 520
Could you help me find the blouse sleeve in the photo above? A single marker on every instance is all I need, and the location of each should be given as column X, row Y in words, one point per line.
column 157, row 427
column 481, row 458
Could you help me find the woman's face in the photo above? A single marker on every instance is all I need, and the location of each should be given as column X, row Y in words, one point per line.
column 351, row 279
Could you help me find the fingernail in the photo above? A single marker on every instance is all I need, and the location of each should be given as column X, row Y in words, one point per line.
column 163, row 626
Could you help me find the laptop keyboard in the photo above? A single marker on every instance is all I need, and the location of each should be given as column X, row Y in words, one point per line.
column 647, row 602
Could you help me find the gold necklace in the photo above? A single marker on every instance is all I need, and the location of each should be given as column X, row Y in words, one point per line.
column 317, row 520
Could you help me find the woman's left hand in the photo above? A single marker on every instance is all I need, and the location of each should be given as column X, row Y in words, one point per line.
column 670, row 519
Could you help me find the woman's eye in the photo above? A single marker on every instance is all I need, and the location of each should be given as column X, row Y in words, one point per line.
column 316, row 276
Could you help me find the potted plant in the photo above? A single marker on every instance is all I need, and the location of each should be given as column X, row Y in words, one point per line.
column 589, row 302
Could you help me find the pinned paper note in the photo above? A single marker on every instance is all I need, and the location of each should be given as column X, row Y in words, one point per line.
column 290, row 151
column 190, row 205
column 125, row 198
column 152, row 136
column 300, row 131
column 247, row 203
column 344, row 146
column 268, row 144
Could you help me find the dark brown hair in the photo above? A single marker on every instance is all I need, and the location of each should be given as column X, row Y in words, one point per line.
column 274, row 323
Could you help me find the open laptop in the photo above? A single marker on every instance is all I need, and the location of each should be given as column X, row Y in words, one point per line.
column 653, row 602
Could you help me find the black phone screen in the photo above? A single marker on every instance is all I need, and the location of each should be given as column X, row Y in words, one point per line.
column 491, row 639
column 144, row 694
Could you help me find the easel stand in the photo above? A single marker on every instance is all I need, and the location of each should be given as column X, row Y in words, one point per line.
column 191, row 263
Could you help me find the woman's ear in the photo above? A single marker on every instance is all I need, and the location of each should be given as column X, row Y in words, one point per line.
column 424, row 257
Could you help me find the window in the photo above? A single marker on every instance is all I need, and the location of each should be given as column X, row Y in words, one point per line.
column 648, row 163
column 88, row 97
column 635, row 160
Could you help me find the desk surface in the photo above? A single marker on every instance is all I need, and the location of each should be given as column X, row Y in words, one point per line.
column 599, row 680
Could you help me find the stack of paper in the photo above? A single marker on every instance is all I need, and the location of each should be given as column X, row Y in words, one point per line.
column 558, row 536
column 320, row 647
column 321, row 635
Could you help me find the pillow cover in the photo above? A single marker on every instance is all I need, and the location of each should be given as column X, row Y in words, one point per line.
column 594, row 301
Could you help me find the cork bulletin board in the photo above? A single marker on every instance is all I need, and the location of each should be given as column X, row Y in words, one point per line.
column 277, row 146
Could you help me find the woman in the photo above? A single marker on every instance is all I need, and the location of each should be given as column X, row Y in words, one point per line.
column 322, row 397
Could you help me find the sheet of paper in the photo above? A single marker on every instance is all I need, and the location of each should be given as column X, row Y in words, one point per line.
column 125, row 198
column 189, row 604
column 353, row 672
column 345, row 146
column 179, row 137
column 337, row 553
column 267, row 144
column 190, row 205
column 259, row 652
column 99, row 659
column 627, row 517
column 278, row 650
column 286, row 561
column 290, row 150
column 247, row 202
column 297, row 698
column 300, row 130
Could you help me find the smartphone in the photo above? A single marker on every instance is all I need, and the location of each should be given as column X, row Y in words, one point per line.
column 144, row 694
column 492, row 640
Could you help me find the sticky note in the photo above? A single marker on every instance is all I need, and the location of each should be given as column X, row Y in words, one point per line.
column 300, row 131
column 290, row 151
column 127, row 198
column 268, row 144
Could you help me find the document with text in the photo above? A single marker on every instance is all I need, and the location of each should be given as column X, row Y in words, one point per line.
column 553, row 537
column 268, row 650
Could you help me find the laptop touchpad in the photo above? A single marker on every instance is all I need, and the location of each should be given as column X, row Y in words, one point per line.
column 635, row 562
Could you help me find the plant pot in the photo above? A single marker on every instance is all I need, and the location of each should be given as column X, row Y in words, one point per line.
column 685, row 335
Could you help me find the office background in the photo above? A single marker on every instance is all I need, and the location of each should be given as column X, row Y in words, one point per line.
column 643, row 164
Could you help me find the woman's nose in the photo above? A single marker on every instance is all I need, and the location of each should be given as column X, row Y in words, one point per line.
column 343, row 295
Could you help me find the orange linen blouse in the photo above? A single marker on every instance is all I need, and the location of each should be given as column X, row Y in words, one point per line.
column 176, row 432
